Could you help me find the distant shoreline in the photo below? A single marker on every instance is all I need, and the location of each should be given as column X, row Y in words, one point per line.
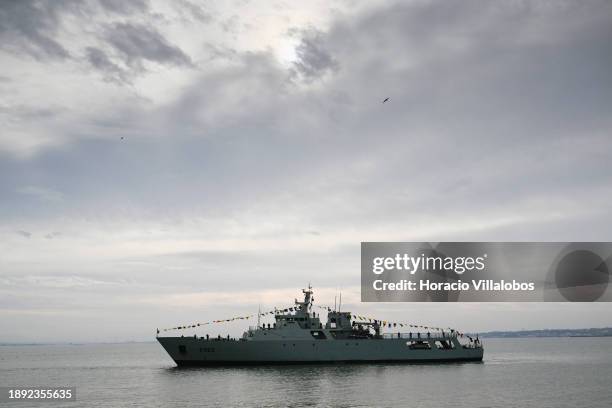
column 592, row 332
column 59, row 343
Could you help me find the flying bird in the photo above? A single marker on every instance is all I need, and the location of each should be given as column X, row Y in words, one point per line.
column 121, row 137
column 386, row 99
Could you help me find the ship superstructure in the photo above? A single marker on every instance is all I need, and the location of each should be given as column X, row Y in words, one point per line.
column 299, row 336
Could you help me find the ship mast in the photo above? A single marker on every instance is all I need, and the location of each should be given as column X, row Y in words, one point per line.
column 306, row 304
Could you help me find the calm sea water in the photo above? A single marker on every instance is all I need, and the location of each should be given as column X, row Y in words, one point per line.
column 540, row 372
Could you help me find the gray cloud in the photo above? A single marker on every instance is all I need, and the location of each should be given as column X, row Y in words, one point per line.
column 35, row 29
column 53, row 235
column 313, row 60
column 231, row 24
column 100, row 61
column 193, row 10
column 137, row 43
column 24, row 234
column 29, row 27
column 24, row 112
column 125, row 7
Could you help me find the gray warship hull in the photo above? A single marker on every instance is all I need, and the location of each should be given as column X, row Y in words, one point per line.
column 190, row 351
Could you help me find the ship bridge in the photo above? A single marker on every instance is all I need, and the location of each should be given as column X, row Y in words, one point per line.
column 297, row 322
column 302, row 317
column 301, row 323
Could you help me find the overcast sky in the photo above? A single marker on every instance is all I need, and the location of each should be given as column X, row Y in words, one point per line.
column 169, row 162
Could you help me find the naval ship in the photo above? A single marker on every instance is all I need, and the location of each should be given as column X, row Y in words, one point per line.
column 299, row 337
